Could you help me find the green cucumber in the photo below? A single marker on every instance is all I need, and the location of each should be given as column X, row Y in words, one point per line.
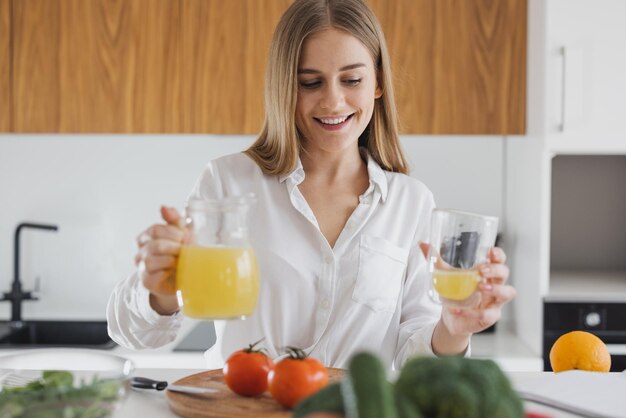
column 327, row 399
column 366, row 391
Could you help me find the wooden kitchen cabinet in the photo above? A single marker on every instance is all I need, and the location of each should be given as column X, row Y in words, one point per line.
column 460, row 65
column 145, row 66
column 224, row 47
column 5, row 65
column 95, row 66
column 197, row 66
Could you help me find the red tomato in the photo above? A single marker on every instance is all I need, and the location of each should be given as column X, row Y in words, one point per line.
column 296, row 377
column 245, row 371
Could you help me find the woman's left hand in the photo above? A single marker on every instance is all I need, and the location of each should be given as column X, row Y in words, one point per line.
column 494, row 294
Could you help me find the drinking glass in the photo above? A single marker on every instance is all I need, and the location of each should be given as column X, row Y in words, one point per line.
column 459, row 244
column 217, row 275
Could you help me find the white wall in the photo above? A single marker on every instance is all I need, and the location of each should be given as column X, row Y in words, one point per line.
column 102, row 190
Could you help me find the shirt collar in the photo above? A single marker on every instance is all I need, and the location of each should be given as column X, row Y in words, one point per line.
column 377, row 175
column 297, row 175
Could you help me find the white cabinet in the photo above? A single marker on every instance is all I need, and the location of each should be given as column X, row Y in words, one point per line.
column 576, row 93
column 586, row 75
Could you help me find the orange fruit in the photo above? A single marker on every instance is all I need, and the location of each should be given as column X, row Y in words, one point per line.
column 579, row 350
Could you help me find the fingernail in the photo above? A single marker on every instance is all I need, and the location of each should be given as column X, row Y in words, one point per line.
column 485, row 269
column 487, row 287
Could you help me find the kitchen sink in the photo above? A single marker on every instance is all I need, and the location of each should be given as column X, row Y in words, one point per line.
column 85, row 334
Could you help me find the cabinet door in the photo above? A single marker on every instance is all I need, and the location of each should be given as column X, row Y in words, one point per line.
column 91, row 66
column 5, row 65
column 96, row 66
column 586, row 75
column 224, row 47
column 460, row 65
column 213, row 65
column 261, row 18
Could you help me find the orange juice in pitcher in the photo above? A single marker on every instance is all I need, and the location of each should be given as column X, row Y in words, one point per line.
column 217, row 282
column 217, row 275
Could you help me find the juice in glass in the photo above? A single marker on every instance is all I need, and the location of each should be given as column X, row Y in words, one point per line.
column 455, row 284
column 459, row 244
column 217, row 282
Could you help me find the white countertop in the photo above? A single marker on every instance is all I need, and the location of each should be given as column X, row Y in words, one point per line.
column 522, row 366
column 164, row 357
column 502, row 346
column 506, row 349
column 595, row 390
column 587, row 286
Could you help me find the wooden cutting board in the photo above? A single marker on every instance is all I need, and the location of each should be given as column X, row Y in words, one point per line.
column 226, row 403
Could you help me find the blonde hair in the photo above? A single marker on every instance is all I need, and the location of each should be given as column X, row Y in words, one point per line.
column 277, row 147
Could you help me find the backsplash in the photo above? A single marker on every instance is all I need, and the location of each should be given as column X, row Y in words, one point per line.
column 102, row 190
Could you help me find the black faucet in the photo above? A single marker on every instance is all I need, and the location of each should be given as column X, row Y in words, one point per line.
column 17, row 295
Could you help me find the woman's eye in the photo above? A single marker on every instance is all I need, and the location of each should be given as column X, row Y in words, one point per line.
column 310, row 84
column 353, row 82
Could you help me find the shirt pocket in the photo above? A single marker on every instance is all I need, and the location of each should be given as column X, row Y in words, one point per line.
column 381, row 272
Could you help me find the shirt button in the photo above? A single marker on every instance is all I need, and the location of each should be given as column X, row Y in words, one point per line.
column 325, row 304
column 328, row 259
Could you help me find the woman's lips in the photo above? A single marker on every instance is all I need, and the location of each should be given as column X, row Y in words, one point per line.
column 334, row 126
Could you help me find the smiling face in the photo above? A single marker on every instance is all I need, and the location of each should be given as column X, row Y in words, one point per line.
column 337, row 88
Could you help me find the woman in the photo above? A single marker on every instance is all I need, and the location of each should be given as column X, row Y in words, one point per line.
column 338, row 223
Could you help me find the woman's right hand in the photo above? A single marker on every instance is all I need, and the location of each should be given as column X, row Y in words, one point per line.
column 158, row 249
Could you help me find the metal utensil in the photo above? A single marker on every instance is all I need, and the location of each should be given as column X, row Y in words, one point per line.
column 145, row 383
column 543, row 400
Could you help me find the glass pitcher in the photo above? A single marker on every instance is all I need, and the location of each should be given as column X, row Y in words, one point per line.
column 217, row 275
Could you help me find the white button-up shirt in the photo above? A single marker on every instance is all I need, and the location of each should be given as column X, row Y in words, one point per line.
column 368, row 292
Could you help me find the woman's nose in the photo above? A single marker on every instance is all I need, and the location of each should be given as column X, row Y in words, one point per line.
column 332, row 97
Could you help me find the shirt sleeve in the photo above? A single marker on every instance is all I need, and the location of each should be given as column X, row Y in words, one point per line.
column 132, row 323
column 420, row 313
column 209, row 184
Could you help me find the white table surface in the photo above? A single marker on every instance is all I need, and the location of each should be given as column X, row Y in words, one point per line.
column 503, row 346
column 587, row 390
